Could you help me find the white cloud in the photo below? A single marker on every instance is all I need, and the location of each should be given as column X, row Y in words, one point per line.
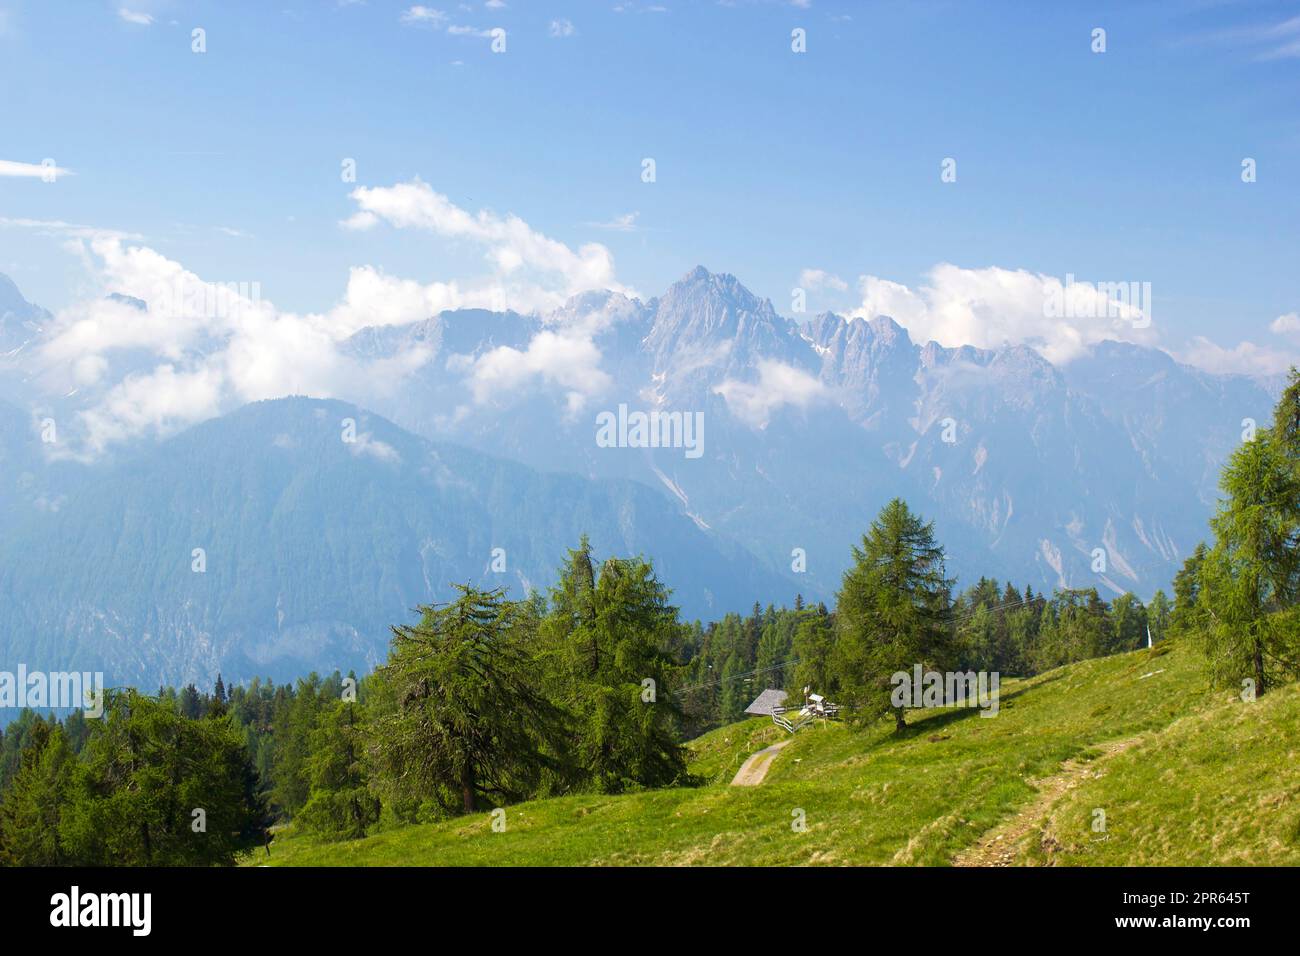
column 375, row 298
column 988, row 308
column 1246, row 358
column 567, row 358
column 495, row 4
column 1271, row 41
column 563, row 355
column 57, row 227
column 215, row 346
column 423, row 15
column 562, row 28
column 544, row 271
column 819, row 279
column 132, row 16
column 161, row 401
column 778, row 385
column 623, row 223
column 367, row 444
column 1288, row 324
column 202, row 347
column 32, row 170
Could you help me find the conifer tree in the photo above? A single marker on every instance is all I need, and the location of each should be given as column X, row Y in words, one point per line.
column 1158, row 615
column 616, row 634
column 893, row 612
column 295, row 717
column 341, row 805
column 1128, row 624
column 34, row 802
column 1184, row 617
column 813, row 644
column 145, row 772
column 465, row 723
column 1248, row 582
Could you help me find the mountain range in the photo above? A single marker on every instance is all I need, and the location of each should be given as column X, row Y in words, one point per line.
column 1101, row 472
column 1026, row 468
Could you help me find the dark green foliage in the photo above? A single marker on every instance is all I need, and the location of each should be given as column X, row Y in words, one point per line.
column 893, row 612
column 130, row 797
column 145, row 771
column 463, row 721
column 1128, row 625
column 1185, row 617
column 813, row 642
column 611, row 638
column 34, row 804
column 1249, row 581
column 1159, row 615
column 294, row 718
column 1074, row 627
column 340, row 806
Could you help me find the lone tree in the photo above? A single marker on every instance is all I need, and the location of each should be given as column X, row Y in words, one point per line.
column 893, row 611
column 1248, row 581
column 465, row 720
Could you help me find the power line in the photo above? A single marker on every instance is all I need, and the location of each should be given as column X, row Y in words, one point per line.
column 741, row 676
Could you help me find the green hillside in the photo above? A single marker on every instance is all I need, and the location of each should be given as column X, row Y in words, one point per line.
column 1185, row 775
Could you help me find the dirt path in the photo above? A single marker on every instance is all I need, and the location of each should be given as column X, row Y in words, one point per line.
column 753, row 770
column 1000, row 846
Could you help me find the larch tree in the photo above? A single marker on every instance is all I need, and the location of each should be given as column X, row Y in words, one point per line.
column 466, row 721
column 893, row 612
column 614, row 634
column 1248, row 581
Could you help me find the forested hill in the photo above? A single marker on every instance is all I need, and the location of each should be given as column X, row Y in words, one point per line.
column 316, row 536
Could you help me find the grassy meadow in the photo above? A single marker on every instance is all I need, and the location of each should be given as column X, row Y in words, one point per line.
column 1197, row 777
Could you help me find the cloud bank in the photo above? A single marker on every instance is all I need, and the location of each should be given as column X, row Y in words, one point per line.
column 200, row 347
column 992, row 307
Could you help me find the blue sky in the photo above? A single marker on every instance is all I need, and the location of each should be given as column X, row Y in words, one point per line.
column 1122, row 165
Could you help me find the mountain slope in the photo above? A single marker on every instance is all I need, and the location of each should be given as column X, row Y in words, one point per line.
column 20, row 321
column 30, row 480
column 923, row 797
column 313, row 546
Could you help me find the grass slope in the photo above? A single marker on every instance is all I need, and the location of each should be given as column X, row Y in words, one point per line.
column 1210, row 781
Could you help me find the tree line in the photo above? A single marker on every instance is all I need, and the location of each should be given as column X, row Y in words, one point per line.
column 987, row 627
column 488, row 701
column 485, row 701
